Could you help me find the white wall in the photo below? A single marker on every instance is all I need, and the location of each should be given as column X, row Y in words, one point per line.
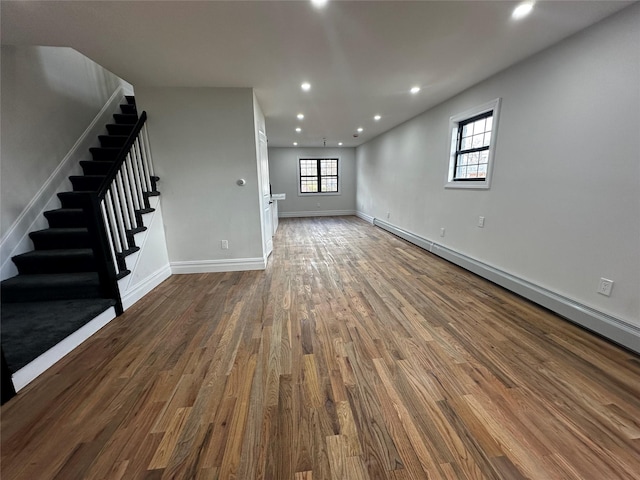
column 564, row 205
column 203, row 141
column 49, row 95
column 283, row 169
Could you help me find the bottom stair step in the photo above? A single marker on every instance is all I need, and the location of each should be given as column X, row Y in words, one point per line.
column 30, row 329
column 65, row 218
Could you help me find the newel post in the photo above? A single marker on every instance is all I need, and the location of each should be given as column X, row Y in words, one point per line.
column 104, row 261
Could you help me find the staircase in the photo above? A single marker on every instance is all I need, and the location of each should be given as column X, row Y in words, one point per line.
column 71, row 275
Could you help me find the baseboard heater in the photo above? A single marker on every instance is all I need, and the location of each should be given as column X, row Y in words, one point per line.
column 612, row 328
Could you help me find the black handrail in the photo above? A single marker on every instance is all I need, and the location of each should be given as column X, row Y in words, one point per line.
column 124, row 151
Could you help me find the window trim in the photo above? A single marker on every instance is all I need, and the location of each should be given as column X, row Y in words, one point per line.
column 454, row 124
column 312, row 194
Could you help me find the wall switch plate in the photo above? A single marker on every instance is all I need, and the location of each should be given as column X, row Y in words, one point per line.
column 481, row 222
column 605, row 286
column 224, row 244
column 388, row 215
column 442, row 232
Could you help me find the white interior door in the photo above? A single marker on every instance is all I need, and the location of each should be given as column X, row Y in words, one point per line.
column 267, row 228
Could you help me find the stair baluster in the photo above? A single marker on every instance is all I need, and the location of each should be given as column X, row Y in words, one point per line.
column 124, row 193
column 111, row 240
column 146, row 175
column 128, row 194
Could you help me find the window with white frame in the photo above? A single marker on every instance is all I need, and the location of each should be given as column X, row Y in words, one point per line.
column 318, row 176
column 473, row 135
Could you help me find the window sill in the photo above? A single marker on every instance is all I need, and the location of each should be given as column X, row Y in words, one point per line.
column 318, row 194
column 468, row 185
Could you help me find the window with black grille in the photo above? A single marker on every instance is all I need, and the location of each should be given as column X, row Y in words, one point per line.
column 318, row 175
column 472, row 151
column 473, row 141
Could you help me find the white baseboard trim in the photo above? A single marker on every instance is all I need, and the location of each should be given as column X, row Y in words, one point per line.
column 145, row 286
column 16, row 240
column 213, row 266
column 610, row 327
column 316, row 213
column 365, row 217
column 36, row 367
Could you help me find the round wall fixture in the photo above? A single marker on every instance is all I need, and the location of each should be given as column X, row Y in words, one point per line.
column 242, row 182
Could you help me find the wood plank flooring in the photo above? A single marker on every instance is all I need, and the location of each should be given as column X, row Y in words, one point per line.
column 355, row 355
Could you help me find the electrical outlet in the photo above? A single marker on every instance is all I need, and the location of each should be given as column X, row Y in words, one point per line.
column 224, row 244
column 318, row 204
column 481, row 222
column 442, row 232
column 605, row 286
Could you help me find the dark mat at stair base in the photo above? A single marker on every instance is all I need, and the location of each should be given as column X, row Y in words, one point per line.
column 30, row 329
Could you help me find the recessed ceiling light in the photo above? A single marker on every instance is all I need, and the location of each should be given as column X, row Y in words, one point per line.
column 339, row 144
column 377, row 117
column 414, row 90
column 298, row 129
column 522, row 10
column 295, row 144
column 319, row 3
column 300, row 116
column 306, row 86
column 360, row 129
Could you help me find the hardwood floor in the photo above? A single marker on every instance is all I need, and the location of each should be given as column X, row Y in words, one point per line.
column 355, row 355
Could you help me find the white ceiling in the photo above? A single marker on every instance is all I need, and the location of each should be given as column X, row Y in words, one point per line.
column 360, row 57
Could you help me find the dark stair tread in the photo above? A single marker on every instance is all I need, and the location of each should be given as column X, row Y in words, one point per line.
column 65, row 217
column 128, row 252
column 112, row 141
column 110, row 149
column 101, row 154
column 125, row 118
column 83, row 183
column 153, row 193
column 94, row 167
column 31, row 328
column 72, row 199
column 112, row 136
column 119, row 129
column 60, row 237
column 130, row 99
column 146, row 210
column 50, row 286
column 58, row 231
column 139, row 229
column 57, row 279
column 62, row 252
column 128, row 108
column 63, row 260
column 122, row 274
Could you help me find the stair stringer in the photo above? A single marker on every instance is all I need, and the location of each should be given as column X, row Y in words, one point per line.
column 16, row 240
column 150, row 265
